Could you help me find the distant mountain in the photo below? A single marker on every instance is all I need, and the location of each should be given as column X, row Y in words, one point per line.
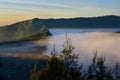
column 117, row 32
column 32, row 29
column 110, row 21
column 92, row 22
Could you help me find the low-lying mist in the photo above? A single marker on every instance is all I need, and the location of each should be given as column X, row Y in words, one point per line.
column 107, row 44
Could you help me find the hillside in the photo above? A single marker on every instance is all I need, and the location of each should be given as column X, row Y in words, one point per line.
column 93, row 22
column 22, row 31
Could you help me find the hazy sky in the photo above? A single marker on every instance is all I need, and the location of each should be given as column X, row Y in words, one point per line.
column 16, row 10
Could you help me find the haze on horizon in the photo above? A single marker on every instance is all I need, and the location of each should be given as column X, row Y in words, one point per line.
column 12, row 11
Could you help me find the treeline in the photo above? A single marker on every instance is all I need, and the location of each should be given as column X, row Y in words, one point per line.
column 1, row 78
column 64, row 66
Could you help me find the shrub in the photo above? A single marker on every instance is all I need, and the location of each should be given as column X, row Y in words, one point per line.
column 1, row 78
column 97, row 69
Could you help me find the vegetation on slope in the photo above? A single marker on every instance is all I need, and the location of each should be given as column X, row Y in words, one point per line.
column 23, row 32
column 65, row 66
column 118, row 32
column 0, row 68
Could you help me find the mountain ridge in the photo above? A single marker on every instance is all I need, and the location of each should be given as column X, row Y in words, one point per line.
column 109, row 21
column 22, row 33
column 36, row 28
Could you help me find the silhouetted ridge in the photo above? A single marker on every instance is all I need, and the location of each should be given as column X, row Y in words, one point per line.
column 109, row 21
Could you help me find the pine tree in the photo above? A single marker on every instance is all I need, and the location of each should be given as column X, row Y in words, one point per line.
column 116, row 72
column 97, row 69
column 62, row 66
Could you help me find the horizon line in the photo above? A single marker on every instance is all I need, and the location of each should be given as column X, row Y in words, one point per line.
column 56, row 18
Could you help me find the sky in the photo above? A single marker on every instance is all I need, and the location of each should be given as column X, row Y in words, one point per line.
column 12, row 11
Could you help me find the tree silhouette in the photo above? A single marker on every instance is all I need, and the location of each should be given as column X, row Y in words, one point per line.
column 64, row 66
column 1, row 78
column 97, row 69
column 116, row 72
